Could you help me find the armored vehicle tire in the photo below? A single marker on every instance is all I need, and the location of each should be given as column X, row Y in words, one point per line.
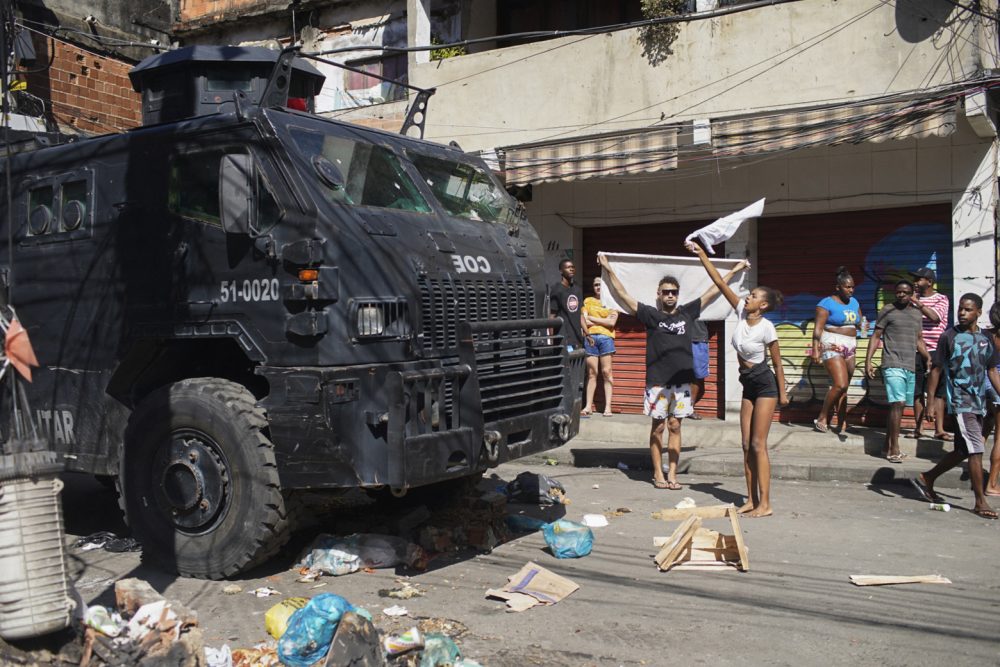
column 199, row 483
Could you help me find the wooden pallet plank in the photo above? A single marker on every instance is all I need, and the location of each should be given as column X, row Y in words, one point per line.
column 679, row 540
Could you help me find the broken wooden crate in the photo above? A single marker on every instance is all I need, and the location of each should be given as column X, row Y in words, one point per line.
column 692, row 547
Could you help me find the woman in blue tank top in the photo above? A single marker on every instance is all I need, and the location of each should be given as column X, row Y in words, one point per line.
column 834, row 343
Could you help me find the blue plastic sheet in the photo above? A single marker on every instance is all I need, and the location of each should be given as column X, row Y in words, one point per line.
column 310, row 630
column 568, row 539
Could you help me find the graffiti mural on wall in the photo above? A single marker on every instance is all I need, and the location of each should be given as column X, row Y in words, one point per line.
column 886, row 260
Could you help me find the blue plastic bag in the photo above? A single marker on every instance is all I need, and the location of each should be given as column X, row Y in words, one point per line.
column 310, row 630
column 568, row 539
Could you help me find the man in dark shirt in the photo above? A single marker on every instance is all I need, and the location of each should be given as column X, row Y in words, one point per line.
column 968, row 359
column 669, row 365
column 899, row 328
column 565, row 299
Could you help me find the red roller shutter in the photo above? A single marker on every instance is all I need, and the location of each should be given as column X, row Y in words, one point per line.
column 799, row 255
column 630, row 341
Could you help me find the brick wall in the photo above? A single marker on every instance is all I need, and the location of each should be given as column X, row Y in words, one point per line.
column 192, row 10
column 87, row 91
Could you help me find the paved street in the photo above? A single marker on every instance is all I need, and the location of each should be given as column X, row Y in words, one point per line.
column 795, row 606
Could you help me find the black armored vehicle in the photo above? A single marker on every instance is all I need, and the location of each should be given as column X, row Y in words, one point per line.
column 241, row 300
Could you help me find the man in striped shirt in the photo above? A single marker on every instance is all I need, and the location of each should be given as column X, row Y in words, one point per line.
column 934, row 307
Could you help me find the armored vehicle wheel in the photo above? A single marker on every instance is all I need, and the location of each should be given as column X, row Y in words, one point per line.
column 199, row 483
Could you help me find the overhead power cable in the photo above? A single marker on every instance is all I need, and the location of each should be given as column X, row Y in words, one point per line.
column 540, row 34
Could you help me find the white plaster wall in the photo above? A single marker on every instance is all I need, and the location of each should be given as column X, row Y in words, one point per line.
column 787, row 55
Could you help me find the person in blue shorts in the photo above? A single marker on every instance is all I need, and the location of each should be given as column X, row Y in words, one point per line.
column 898, row 327
column 968, row 359
column 599, row 344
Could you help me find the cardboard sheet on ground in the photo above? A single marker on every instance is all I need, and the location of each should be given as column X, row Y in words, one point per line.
column 640, row 274
column 533, row 585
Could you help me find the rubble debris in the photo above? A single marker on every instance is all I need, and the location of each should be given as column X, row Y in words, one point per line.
column 107, row 541
column 264, row 592
column 439, row 650
column 404, row 643
column 276, row 618
column 232, row 589
column 396, row 610
column 307, row 576
column 410, row 521
column 107, row 622
column 343, row 555
column 532, row 488
column 619, row 511
column 405, row 592
column 219, row 657
column 533, row 585
column 568, row 539
column 686, row 503
column 883, row 580
column 310, row 630
column 355, row 643
column 266, row 656
column 549, row 461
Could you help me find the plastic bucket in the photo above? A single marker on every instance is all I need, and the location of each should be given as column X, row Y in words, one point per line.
column 34, row 595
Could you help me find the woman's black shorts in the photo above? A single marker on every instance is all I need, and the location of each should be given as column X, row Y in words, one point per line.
column 758, row 382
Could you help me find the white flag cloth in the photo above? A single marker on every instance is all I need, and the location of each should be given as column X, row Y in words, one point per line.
column 640, row 275
column 723, row 229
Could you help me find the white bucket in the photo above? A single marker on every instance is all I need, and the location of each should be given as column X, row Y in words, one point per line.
column 34, row 595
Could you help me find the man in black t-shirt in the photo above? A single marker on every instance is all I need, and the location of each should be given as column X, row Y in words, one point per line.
column 565, row 300
column 669, row 365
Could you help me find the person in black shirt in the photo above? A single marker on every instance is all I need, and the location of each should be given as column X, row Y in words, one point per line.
column 565, row 300
column 669, row 365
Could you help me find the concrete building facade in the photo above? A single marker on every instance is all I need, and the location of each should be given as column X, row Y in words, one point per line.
column 868, row 126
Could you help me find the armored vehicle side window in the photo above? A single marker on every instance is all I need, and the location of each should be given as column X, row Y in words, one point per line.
column 372, row 175
column 57, row 208
column 74, row 204
column 464, row 190
column 40, row 214
column 194, row 185
column 194, row 189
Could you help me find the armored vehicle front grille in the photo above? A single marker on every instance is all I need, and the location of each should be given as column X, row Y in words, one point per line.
column 445, row 303
column 516, row 383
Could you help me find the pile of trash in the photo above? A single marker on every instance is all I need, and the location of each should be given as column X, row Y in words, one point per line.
column 328, row 630
column 143, row 629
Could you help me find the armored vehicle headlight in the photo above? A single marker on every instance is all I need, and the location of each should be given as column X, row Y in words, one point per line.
column 371, row 320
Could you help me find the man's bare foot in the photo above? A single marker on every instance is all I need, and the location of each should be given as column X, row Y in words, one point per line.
column 746, row 507
column 762, row 511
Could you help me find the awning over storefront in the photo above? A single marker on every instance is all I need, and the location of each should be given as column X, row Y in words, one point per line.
column 589, row 157
column 913, row 119
column 657, row 149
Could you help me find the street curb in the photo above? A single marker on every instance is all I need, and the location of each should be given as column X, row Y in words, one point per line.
column 725, row 462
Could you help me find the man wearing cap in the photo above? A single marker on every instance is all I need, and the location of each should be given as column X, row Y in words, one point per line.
column 934, row 307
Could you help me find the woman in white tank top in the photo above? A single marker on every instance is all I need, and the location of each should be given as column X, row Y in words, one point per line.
column 754, row 339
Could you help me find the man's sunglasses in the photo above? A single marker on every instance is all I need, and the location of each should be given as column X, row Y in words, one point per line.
column 670, row 292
